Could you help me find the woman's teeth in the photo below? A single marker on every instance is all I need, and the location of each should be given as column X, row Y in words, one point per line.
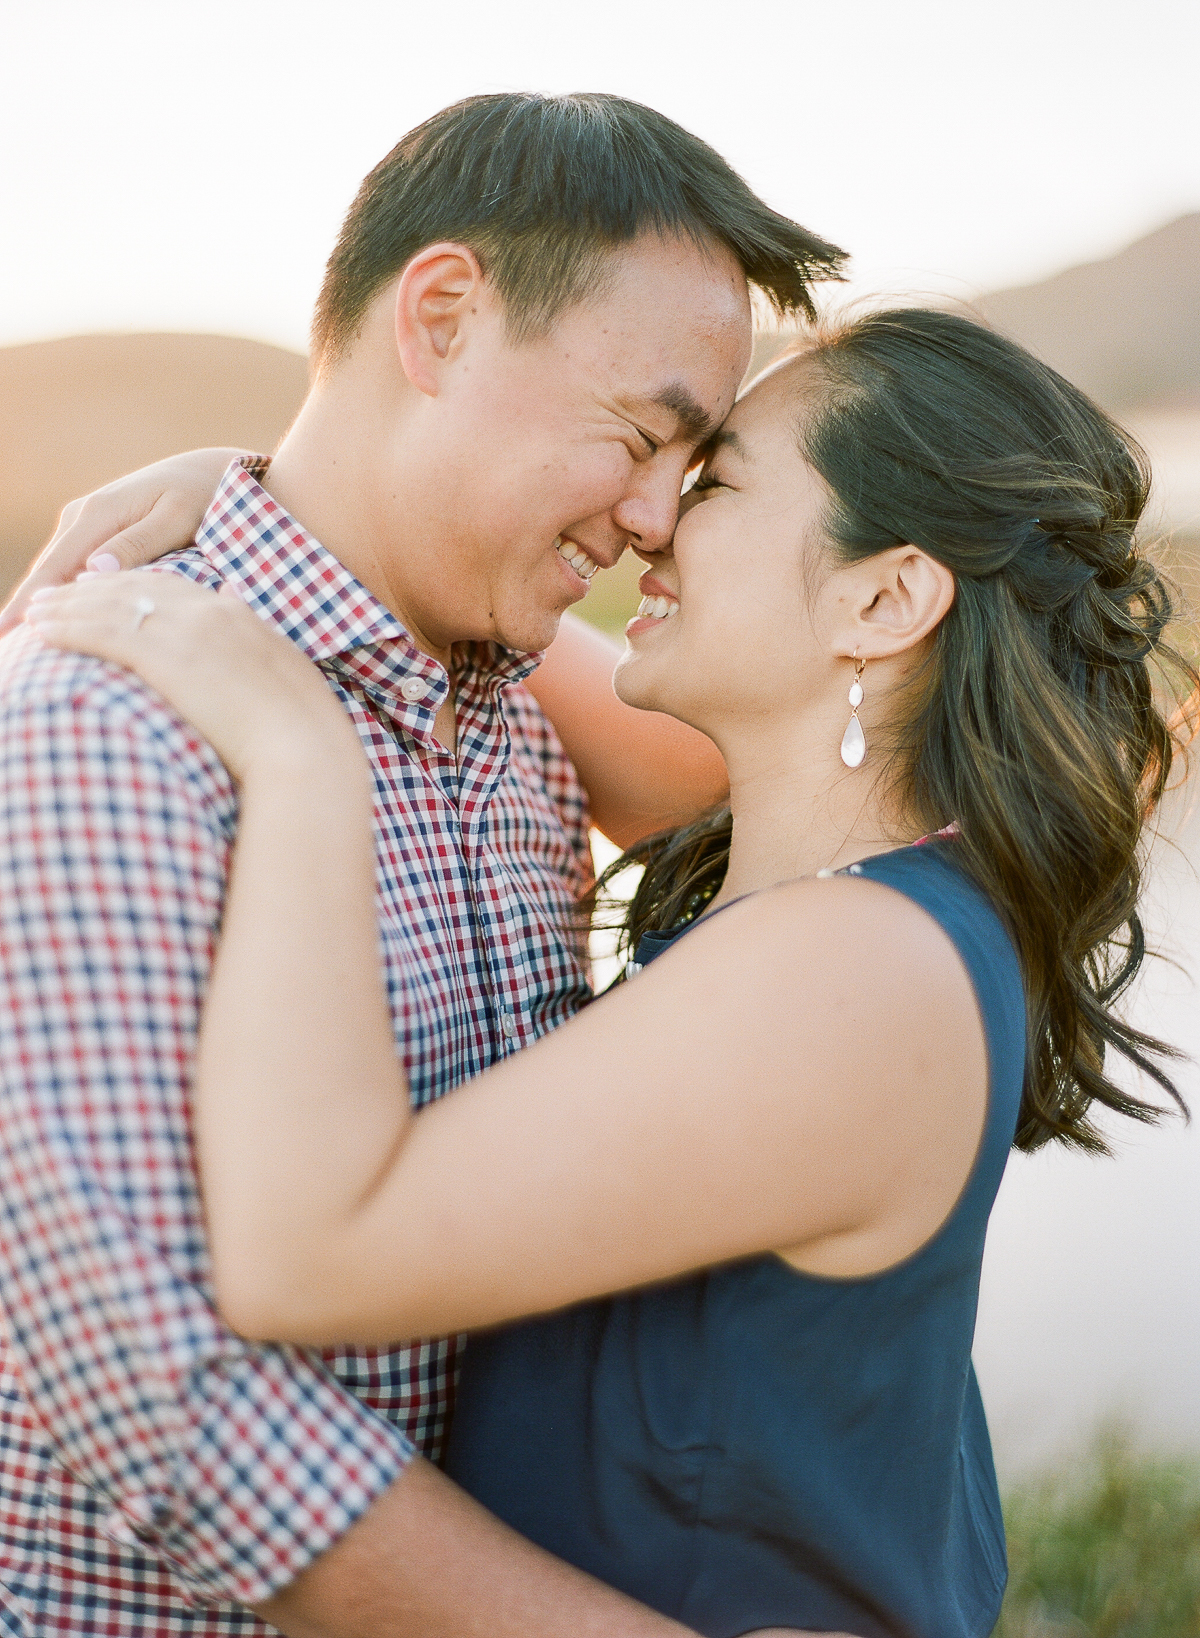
column 576, row 557
column 657, row 608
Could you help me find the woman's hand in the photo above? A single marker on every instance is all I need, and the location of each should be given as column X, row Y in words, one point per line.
column 250, row 692
column 130, row 522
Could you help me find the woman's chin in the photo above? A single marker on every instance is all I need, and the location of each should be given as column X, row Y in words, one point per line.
column 634, row 683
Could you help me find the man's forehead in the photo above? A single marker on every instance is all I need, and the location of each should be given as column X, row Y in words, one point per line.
column 693, row 345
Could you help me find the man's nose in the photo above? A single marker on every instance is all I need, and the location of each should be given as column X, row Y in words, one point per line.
column 647, row 515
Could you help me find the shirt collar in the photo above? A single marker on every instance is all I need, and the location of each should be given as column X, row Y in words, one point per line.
column 290, row 579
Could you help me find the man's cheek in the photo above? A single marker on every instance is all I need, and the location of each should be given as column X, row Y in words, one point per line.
column 600, row 484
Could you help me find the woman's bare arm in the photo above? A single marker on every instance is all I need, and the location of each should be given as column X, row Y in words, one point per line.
column 804, row 1074
column 747, row 1093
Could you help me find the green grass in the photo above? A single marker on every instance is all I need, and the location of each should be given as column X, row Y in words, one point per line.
column 1107, row 1549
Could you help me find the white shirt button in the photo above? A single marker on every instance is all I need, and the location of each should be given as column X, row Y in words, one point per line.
column 413, row 689
column 508, row 1025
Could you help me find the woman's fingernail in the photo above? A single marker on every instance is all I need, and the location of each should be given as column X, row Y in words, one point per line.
column 103, row 563
column 42, row 593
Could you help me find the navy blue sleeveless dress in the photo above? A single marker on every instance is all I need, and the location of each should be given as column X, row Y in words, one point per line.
column 755, row 1447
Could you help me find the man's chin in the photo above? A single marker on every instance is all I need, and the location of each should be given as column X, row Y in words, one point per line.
column 530, row 631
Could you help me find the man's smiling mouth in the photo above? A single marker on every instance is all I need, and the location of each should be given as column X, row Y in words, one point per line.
column 584, row 566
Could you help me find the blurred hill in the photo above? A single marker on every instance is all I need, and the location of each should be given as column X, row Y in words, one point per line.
column 1126, row 330
column 77, row 412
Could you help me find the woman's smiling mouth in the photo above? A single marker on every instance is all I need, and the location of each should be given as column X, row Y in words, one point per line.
column 656, row 608
column 658, row 603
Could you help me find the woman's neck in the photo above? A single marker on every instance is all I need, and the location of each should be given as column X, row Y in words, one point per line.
column 798, row 816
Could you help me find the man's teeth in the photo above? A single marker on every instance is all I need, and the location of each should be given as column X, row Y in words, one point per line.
column 657, row 608
column 576, row 557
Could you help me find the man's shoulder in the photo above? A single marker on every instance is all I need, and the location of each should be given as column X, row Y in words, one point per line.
column 55, row 703
column 34, row 676
column 43, row 681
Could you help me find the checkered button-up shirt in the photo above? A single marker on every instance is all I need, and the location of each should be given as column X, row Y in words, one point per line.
column 157, row 1473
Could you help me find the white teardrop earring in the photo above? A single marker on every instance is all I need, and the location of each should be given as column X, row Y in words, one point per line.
column 854, row 741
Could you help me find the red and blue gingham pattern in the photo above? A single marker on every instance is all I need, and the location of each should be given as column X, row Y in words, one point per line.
column 157, row 1473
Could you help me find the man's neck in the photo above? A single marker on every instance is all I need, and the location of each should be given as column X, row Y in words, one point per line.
column 325, row 475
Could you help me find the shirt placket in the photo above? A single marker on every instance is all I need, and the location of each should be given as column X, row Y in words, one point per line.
column 485, row 748
column 465, row 785
column 406, row 698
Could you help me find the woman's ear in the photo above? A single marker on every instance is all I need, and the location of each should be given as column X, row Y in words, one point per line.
column 436, row 291
column 906, row 596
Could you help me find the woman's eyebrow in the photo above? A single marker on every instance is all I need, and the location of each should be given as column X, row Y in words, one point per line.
column 724, row 438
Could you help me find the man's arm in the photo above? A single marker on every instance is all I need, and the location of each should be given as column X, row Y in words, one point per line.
column 232, row 1466
column 243, row 1469
column 642, row 771
column 428, row 1562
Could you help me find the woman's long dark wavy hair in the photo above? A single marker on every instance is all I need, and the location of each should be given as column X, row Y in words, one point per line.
column 1041, row 725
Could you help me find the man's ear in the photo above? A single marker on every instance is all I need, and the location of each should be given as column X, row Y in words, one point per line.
column 435, row 292
column 905, row 596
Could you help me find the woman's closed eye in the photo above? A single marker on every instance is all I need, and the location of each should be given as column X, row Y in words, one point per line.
column 706, row 480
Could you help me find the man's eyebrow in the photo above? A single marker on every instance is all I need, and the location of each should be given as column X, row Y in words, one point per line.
column 693, row 418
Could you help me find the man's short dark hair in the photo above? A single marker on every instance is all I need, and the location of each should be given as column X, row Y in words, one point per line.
column 542, row 189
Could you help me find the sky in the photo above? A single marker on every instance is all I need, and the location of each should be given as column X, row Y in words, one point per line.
column 172, row 167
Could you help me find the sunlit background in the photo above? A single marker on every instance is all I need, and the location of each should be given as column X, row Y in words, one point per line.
column 185, row 167
column 182, row 170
